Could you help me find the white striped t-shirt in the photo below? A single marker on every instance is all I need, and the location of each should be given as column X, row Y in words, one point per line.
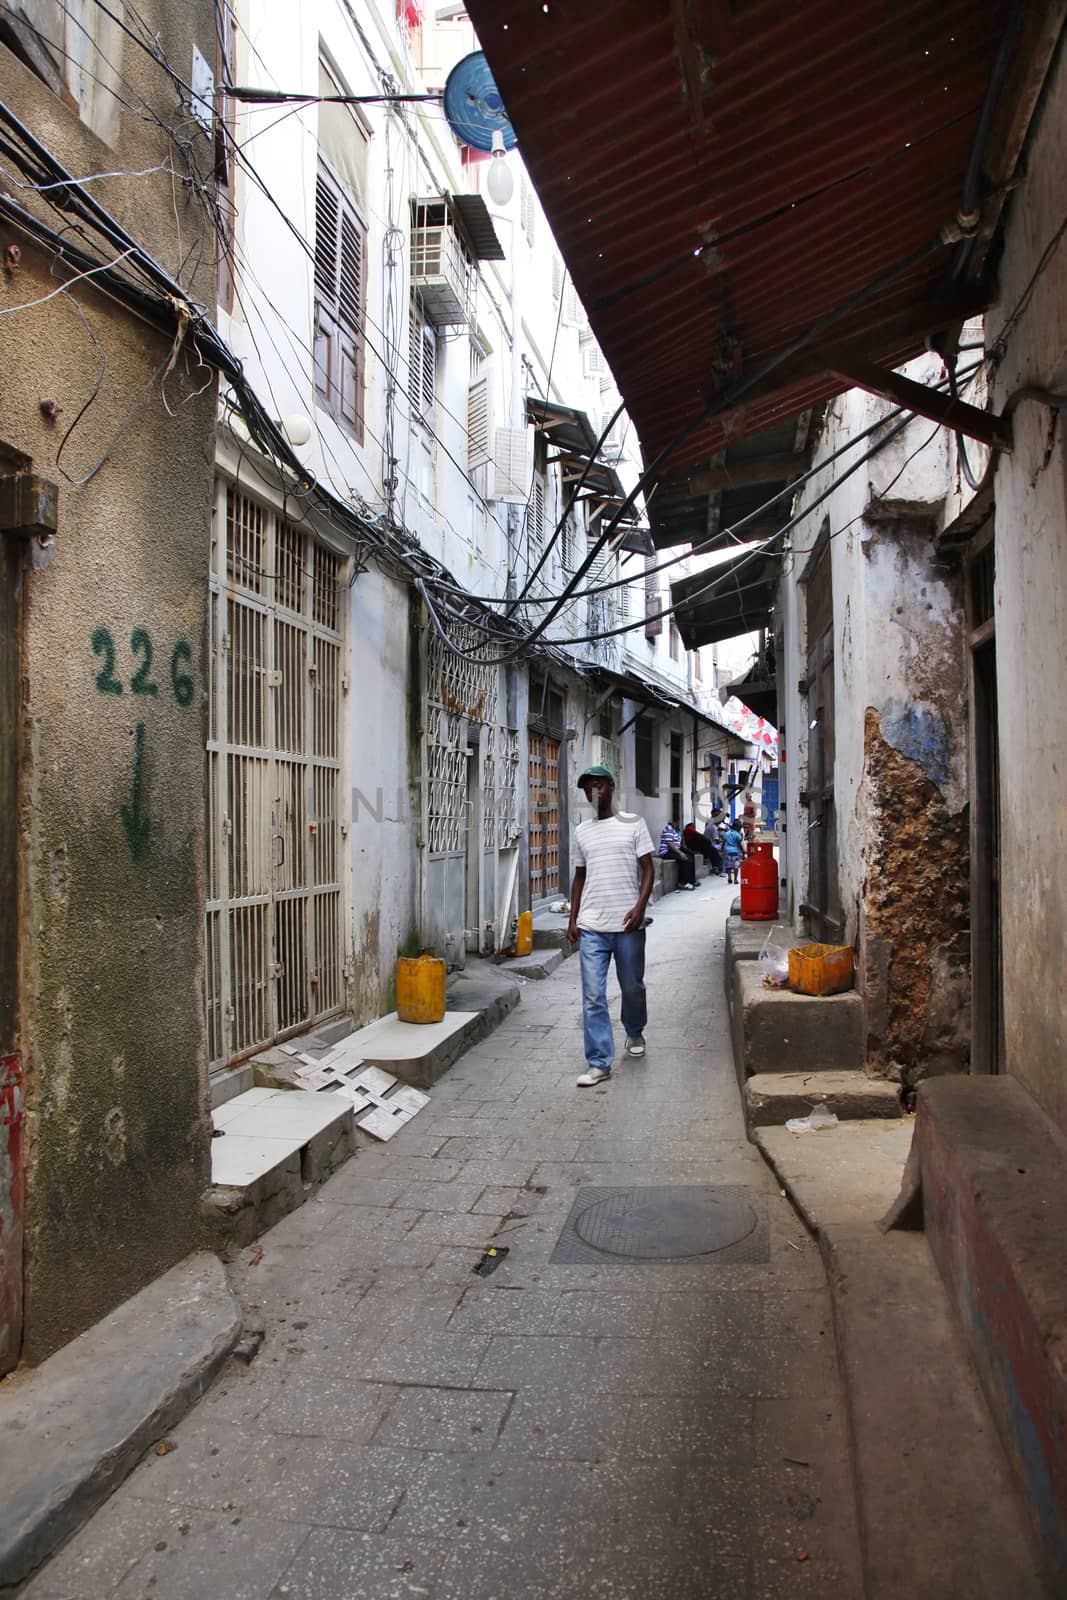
column 610, row 851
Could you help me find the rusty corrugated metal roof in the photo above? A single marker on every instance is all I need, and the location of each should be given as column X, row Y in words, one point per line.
column 722, row 175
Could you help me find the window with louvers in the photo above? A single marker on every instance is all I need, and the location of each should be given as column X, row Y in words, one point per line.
column 422, row 363
column 340, row 289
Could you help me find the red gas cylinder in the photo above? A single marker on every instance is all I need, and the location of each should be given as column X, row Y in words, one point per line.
column 759, row 884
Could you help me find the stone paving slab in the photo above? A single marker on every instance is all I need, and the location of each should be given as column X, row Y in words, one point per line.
column 412, row 1430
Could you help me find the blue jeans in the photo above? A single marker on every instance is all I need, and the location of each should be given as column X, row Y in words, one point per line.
column 595, row 953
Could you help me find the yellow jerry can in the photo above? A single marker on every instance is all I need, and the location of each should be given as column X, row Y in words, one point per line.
column 524, row 935
column 420, row 989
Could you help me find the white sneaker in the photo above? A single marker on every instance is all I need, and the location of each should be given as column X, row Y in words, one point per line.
column 635, row 1044
column 594, row 1075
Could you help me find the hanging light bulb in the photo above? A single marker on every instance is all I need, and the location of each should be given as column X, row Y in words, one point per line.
column 499, row 181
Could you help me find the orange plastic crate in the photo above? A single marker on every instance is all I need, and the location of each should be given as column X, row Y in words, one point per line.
column 819, row 969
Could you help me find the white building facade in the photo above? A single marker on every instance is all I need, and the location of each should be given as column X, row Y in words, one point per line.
column 383, row 774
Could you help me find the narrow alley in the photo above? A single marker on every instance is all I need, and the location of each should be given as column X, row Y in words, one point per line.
column 425, row 425
column 554, row 1429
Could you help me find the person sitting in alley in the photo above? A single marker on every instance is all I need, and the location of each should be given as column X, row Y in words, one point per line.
column 713, row 834
column 672, row 846
column 698, row 844
column 609, row 896
column 733, row 844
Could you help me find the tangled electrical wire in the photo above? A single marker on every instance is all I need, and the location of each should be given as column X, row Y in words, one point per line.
column 136, row 278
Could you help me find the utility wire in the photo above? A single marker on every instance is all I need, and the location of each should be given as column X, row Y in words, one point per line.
column 715, row 544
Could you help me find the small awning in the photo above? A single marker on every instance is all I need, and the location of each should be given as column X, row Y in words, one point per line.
column 725, row 601
column 758, row 688
column 656, row 698
column 572, row 439
column 476, row 225
column 566, row 427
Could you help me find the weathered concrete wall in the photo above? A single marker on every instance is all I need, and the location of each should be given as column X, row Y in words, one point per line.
column 900, row 775
column 113, row 735
column 1031, row 581
column 910, row 817
column 383, row 761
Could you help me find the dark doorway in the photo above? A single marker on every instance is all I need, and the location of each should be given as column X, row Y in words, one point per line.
column 987, row 1017
column 823, row 906
column 676, row 776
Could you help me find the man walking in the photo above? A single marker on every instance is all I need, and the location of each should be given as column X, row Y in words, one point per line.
column 611, row 889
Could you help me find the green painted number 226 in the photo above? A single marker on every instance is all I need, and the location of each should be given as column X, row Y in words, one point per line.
column 142, row 682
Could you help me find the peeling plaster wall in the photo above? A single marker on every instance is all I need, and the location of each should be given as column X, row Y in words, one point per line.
column 113, row 725
column 383, row 764
column 900, row 776
column 1031, row 624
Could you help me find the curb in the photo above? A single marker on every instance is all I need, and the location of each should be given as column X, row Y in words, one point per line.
column 84, row 1417
column 915, row 1413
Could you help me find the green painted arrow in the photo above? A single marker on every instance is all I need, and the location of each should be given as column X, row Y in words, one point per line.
column 136, row 823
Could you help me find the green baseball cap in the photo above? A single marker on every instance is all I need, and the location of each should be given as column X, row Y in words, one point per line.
column 596, row 772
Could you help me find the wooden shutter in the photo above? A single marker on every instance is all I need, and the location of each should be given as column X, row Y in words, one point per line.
column 340, row 287
column 327, row 229
column 535, row 520
column 479, row 422
column 422, row 368
column 513, row 464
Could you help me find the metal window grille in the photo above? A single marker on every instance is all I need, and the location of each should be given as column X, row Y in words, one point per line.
column 275, row 946
column 457, row 691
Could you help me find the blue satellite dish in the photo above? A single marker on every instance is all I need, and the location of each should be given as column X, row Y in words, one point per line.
column 473, row 105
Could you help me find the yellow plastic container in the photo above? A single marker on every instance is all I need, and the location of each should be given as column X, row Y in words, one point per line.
column 819, row 969
column 420, row 989
column 524, row 936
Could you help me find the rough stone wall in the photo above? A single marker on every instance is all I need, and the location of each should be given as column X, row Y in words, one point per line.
column 112, row 730
column 916, row 919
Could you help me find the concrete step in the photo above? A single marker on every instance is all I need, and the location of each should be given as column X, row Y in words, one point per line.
column 771, row 1098
column 775, row 1030
column 745, row 940
column 78, row 1423
column 477, row 1000
column 541, row 964
column 272, row 1148
column 281, row 1141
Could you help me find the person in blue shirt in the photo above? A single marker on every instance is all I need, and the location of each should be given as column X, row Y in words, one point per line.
column 671, row 844
column 733, row 846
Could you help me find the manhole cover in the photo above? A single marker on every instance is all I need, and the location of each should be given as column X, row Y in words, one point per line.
column 691, row 1223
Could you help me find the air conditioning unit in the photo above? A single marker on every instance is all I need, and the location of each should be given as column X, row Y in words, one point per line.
column 440, row 268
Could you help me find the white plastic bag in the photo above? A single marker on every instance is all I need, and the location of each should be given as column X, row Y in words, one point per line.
column 817, row 1118
column 774, row 961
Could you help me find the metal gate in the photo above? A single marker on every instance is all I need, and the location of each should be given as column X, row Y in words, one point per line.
column 469, row 828
column 544, row 815
column 274, row 935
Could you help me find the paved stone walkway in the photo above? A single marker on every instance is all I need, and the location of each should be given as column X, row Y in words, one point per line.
column 412, row 1431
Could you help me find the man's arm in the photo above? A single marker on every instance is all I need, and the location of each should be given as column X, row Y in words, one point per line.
column 636, row 914
column 576, row 899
